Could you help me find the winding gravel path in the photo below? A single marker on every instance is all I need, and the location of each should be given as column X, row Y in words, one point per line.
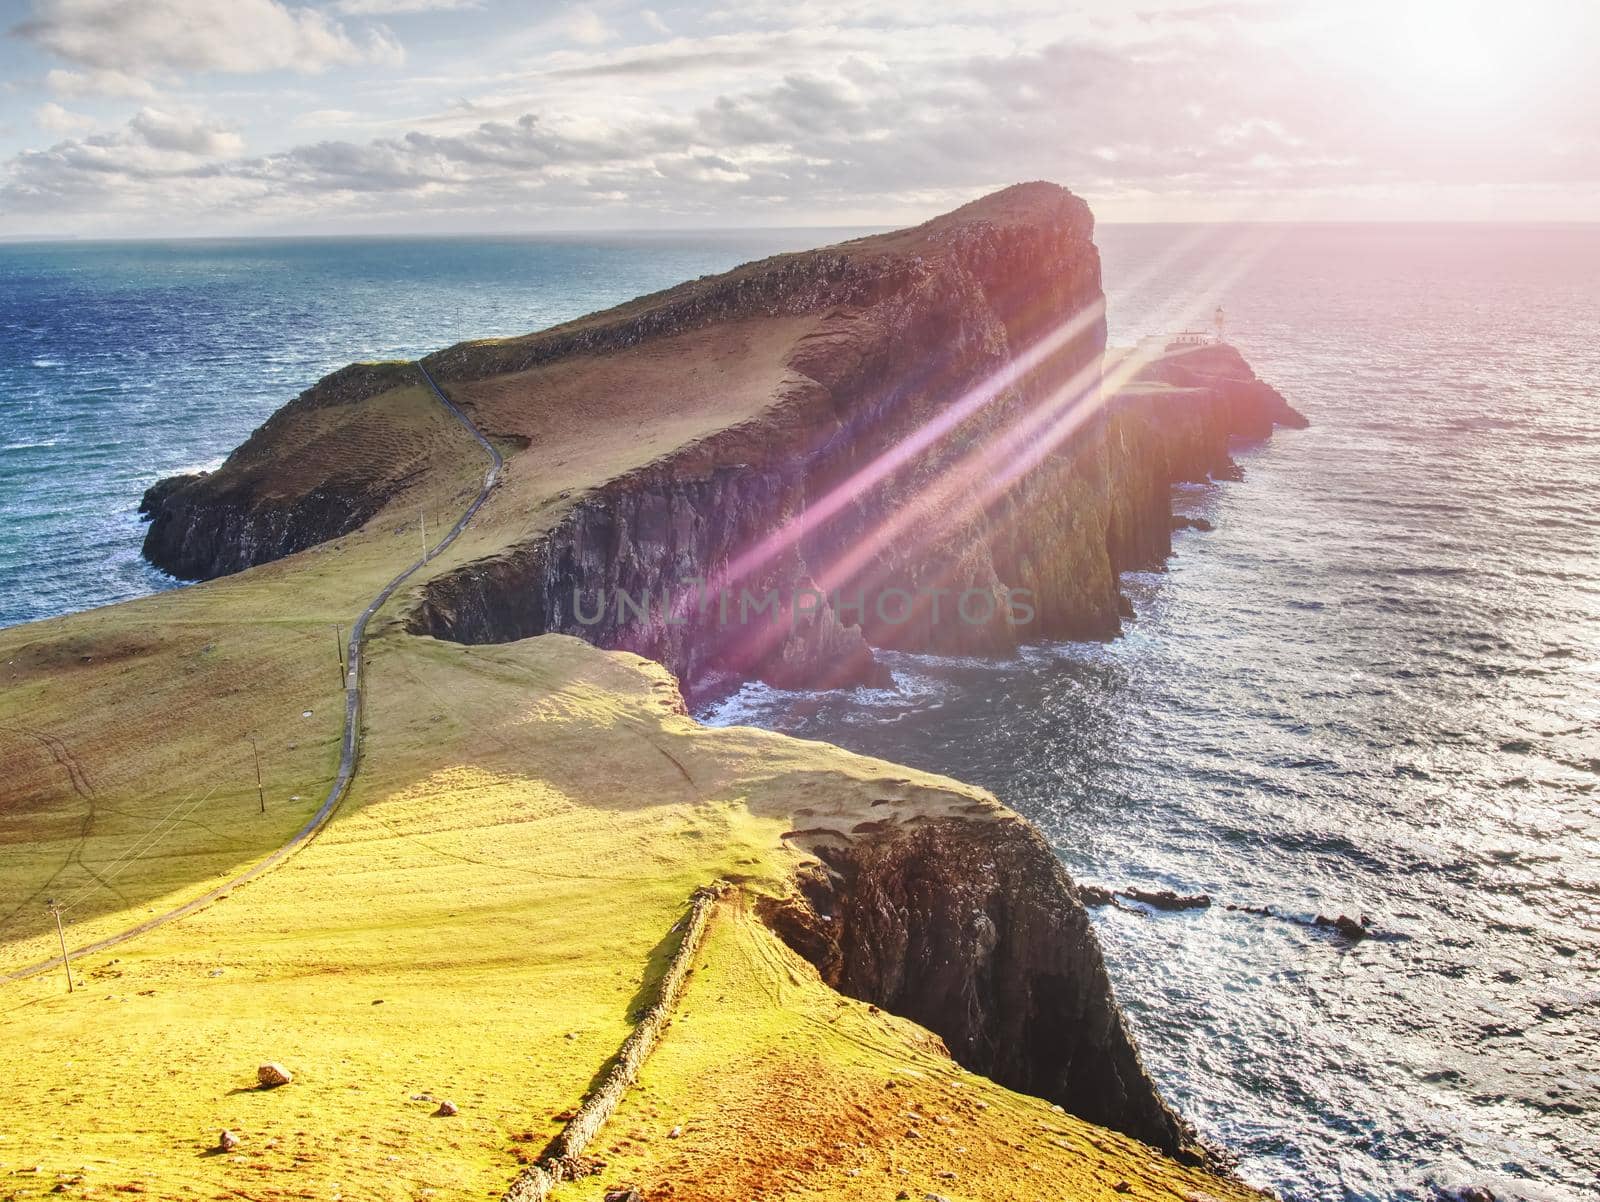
column 350, row 749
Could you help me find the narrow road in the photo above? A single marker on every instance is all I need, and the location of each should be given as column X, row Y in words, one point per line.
column 350, row 748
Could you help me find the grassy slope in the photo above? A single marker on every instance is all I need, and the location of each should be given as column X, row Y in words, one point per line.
column 150, row 702
column 594, row 418
column 530, row 820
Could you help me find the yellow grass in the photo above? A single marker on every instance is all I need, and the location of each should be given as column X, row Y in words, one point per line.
column 479, row 925
column 129, row 723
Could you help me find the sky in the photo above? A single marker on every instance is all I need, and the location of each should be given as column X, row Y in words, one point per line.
column 130, row 118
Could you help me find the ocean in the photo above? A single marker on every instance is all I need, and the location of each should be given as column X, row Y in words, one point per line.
column 1373, row 689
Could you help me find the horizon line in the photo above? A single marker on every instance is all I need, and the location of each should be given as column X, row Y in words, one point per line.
column 687, row 230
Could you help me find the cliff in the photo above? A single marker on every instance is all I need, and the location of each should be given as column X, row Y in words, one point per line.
column 311, row 473
column 969, row 925
column 902, row 441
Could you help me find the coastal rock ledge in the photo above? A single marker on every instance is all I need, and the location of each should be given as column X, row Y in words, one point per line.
column 970, row 926
column 928, row 413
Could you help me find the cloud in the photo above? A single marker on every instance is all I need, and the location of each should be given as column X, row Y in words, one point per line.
column 101, row 82
column 184, row 133
column 54, row 119
column 378, row 8
column 1214, row 14
column 331, row 117
column 583, row 25
column 166, row 36
column 815, row 125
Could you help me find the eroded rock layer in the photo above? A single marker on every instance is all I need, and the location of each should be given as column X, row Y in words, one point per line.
column 898, row 442
column 972, row 928
column 309, row 474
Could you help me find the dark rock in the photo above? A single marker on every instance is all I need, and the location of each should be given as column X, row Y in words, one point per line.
column 1348, row 927
column 1166, row 899
column 974, row 931
column 1124, row 606
column 1095, row 895
column 1230, row 471
column 288, row 487
column 227, row 1141
column 158, row 492
column 1259, row 911
column 1179, row 522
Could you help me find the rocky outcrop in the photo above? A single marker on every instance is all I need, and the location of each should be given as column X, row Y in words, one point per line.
column 1251, row 407
column 938, row 468
column 276, row 494
column 949, row 442
column 200, row 531
column 974, row 930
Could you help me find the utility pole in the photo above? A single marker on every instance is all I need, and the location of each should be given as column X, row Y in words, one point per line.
column 61, row 934
column 338, row 649
column 255, row 751
column 422, row 525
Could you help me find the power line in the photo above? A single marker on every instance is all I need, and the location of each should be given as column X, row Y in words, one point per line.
column 142, row 845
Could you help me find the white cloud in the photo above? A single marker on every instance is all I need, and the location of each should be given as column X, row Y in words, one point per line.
column 321, row 117
column 100, row 82
column 382, row 8
column 185, row 133
column 54, row 119
column 584, row 26
column 791, row 125
column 164, row 36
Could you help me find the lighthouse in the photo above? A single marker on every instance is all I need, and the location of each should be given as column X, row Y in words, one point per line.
column 1220, row 322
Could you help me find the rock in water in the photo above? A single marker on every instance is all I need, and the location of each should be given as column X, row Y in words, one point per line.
column 1166, row 899
column 227, row 1141
column 1348, row 927
column 271, row 1075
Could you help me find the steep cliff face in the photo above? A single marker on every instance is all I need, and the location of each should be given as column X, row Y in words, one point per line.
column 973, row 929
column 944, row 474
column 913, row 450
column 288, row 487
column 941, row 443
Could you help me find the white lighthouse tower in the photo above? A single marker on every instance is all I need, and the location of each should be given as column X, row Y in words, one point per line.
column 1220, row 322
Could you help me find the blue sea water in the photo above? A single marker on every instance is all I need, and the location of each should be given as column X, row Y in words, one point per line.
column 1373, row 689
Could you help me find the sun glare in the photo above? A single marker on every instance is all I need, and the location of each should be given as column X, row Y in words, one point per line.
column 1459, row 54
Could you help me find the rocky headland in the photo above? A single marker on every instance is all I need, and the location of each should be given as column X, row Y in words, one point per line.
column 925, row 414
column 930, row 415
